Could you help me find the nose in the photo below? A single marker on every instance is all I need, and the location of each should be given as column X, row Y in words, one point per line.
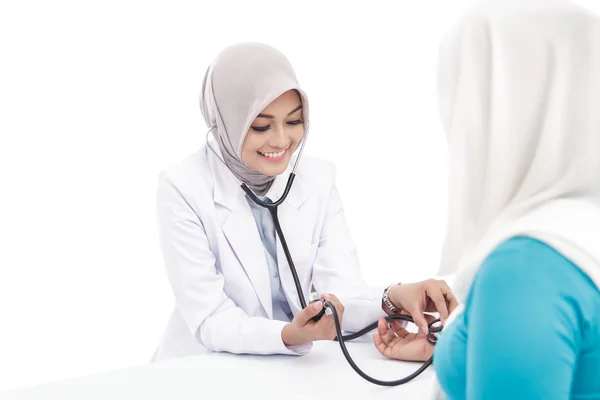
column 279, row 138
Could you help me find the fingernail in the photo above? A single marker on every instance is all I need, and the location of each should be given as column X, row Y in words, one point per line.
column 317, row 305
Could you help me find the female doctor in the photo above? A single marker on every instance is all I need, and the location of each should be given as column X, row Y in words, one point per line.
column 233, row 287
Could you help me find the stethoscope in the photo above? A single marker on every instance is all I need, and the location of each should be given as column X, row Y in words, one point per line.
column 328, row 308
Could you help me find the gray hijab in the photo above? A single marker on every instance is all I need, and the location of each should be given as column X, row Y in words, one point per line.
column 242, row 80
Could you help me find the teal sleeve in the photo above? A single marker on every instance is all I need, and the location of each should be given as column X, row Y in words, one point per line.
column 524, row 321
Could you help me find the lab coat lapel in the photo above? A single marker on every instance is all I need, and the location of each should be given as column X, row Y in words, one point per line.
column 239, row 227
column 242, row 235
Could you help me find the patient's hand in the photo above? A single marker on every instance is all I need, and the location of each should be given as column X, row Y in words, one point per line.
column 399, row 344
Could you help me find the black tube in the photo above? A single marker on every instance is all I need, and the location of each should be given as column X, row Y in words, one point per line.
column 288, row 256
column 338, row 330
column 272, row 207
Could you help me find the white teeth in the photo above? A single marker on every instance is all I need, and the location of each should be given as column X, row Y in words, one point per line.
column 273, row 155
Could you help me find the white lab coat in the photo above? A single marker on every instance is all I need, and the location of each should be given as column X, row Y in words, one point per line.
column 217, row 267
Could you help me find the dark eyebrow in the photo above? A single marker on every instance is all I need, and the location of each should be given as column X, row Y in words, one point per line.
column 272, row 117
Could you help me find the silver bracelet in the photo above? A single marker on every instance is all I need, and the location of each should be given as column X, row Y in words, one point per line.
column 386, row 299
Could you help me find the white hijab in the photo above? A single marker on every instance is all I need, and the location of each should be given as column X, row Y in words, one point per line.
column 243, row 79
column 519, row 98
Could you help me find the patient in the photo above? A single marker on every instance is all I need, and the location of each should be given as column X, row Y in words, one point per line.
column 519, row 96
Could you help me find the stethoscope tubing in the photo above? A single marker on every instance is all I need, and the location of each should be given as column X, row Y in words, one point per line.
column 272, row 207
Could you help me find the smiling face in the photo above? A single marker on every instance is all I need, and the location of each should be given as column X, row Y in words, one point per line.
column 274, row 135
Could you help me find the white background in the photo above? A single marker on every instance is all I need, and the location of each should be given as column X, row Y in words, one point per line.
column 97, row 97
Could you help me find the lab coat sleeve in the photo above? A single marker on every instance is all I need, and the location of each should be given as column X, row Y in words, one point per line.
column 336, row 270
column 211, row 316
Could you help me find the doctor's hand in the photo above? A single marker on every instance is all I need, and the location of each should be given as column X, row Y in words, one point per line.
column 397, row 343
column 303, row 330
column 427, row 296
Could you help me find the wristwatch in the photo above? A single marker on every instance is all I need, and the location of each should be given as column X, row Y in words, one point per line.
column 386, row 299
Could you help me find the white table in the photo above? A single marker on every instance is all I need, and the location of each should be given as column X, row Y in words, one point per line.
column 322, row 374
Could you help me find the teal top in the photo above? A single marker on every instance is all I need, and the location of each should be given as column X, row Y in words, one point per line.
column 530, row 330
column 266, row 230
